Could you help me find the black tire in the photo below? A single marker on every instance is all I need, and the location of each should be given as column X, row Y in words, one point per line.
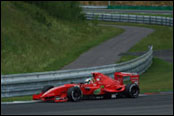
column 132, row 90
column 107, row 96
column 74, row 94
column 46, row 88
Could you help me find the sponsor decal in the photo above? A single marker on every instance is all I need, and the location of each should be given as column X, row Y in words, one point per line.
column 97, row 91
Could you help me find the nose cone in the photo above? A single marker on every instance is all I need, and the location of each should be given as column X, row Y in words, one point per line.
column 49, row 93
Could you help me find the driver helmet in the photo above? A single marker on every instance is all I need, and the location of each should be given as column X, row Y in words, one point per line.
column 88, row 80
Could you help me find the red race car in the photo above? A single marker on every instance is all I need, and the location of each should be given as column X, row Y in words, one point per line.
column 99, row 85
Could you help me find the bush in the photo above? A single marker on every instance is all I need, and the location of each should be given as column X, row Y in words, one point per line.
column 61, row 9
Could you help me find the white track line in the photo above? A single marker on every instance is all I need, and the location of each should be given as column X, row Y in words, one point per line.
column 22, row 102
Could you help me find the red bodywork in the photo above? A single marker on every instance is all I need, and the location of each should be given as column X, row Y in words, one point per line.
column 100, row 85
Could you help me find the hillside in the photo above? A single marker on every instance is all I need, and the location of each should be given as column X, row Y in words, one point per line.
column 34, row 40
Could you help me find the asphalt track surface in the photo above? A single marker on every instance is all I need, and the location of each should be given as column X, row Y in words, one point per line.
column 165, row 12
column 161, row 104
column 108, row 51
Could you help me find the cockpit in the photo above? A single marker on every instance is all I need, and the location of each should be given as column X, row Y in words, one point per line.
column 89, row 80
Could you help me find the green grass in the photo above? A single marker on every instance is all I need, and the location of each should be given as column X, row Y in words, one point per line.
column 34, row 41
column 159, row 77
column 126, row 58
column 22, row 98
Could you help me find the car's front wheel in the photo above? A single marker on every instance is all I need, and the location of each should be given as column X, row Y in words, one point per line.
column 74, row 94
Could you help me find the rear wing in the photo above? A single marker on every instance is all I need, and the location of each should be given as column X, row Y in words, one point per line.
column 134, row 77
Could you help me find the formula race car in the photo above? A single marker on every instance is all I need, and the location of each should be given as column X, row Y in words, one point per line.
column 99, row 85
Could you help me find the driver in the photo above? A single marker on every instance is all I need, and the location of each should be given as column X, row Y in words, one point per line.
column 88, row 80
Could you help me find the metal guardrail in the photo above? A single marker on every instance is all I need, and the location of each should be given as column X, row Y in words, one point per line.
column 31, row 83
column 158, row 20
column 94, row 7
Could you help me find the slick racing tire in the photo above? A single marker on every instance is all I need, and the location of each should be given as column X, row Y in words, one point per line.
column 132, row 90
column 74, row 94
column 46, row 88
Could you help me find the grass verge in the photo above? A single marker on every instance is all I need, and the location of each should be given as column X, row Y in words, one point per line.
column 34, row 41
column 158, row 78
column 22, row 98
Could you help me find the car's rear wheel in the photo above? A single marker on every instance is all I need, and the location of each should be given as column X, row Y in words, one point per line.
column 74, row 94
column 46, row 88
column 132, row 90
